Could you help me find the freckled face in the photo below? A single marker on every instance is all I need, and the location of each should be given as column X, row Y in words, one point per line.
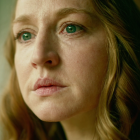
column 68, row 47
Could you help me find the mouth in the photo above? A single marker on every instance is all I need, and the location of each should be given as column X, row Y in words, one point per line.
column 48, row 90
column 47, row 87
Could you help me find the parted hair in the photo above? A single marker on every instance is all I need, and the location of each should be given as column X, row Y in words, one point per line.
column 119, row 104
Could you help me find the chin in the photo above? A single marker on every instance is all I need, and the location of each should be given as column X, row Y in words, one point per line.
column 53, row 115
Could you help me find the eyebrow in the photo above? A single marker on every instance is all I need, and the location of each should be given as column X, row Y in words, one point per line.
column 61, row 13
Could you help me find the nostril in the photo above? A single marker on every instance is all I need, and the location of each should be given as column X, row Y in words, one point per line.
column 49, row 61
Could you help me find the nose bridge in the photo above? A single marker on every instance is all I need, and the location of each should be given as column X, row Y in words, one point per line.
column 43, row 42
column 44, row 49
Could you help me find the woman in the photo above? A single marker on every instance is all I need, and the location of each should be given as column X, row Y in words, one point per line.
column 75, row 71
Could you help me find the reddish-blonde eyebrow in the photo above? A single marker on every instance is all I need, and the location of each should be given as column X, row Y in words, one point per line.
column 60, row 14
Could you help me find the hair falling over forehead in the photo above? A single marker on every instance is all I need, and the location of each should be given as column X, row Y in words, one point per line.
column 119, row 102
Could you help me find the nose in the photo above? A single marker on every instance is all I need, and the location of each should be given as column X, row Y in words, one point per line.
column 44, row 52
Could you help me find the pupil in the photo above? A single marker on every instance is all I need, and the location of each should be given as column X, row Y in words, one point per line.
column 71, row 29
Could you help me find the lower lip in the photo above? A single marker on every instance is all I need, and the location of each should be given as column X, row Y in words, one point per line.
column 48, row 91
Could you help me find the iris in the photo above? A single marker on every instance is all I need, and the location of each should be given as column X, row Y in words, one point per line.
column 26, row 36
column 72, row 28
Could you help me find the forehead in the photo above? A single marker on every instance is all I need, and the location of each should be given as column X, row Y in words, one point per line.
column 41, row 7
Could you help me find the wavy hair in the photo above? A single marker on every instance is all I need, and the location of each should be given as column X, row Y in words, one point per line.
column 119, row 104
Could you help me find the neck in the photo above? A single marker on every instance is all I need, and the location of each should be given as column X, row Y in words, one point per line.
column 80, row 127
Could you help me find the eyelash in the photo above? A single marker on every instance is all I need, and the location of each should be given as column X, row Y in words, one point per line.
column 65, row 25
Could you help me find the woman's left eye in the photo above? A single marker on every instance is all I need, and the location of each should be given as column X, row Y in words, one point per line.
column 26, row 36
column 70, row 29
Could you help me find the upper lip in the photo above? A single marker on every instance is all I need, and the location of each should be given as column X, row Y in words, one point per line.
column 46, row 82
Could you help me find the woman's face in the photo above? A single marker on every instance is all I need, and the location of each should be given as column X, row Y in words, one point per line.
column 63, row 41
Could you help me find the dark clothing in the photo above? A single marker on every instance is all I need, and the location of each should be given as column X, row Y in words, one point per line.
column 135, row 131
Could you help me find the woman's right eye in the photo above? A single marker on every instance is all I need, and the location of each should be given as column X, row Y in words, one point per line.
column 24, row 37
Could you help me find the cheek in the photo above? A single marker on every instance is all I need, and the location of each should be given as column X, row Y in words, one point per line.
column 87, row 57
column 87, row 53
column 86, row 65
column 22, row 68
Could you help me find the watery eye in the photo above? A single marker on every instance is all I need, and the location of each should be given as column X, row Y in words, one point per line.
column 73, row 28
column 26, row 36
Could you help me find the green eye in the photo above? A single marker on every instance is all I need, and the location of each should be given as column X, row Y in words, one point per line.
column 73, row 28
column 26, row 36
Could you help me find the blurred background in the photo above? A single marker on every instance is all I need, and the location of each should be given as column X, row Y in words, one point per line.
column 6, row 8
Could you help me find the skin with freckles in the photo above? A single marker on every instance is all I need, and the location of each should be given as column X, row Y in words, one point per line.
column 77, row 59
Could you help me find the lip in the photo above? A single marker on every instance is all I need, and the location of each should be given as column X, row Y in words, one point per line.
column 47, row 87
